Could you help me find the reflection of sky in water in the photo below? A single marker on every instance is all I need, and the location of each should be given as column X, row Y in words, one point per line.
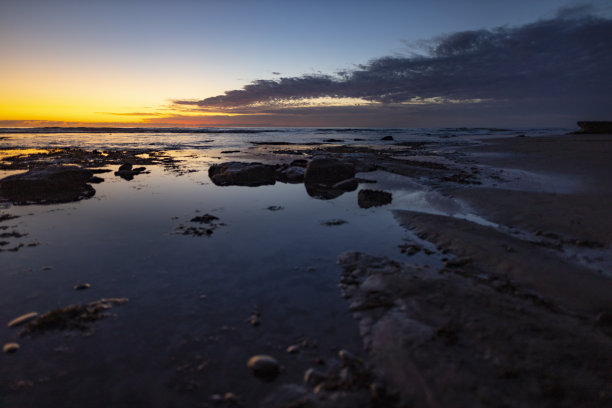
column 121, row 241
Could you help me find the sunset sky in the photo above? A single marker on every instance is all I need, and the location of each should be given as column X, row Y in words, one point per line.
column 305, row 63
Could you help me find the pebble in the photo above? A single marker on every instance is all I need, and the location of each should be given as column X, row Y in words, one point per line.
column 313, row 377
column 264, row 366
column 10, row 348
column 349, row 358
column 293, row 349
column 22, row 319
column 82, row 286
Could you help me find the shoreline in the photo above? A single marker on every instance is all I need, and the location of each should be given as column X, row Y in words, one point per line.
column 533, row 269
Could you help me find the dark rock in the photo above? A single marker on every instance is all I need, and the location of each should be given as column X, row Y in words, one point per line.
column 387, row 138
column 322, row 191
column 230, row 151
column 290, row 174
column 242, row 174
column 331, row 223
column 299, row 163
column 346, row 185
column 204, row 219
column 603, row 127
column 322, row 170
column 373, row 198
column 82, row 286
column 53, row 184
column 275, row 208
column 334, row 140
column 126, row 171
column 264, row 366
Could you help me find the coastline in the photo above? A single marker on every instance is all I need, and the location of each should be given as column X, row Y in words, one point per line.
column 503, row 282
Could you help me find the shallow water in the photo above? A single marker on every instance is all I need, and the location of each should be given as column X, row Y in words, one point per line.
column 184, row 335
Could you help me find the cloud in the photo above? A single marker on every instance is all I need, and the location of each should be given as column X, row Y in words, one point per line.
column 563, row 62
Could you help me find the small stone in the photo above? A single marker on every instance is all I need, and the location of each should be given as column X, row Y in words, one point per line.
column 22, row 319
column 313, row 377
column 230, row 397
column 387, row 138
column 349, row 358
column 293, row 349
column 264, row 366
column 10, row 348
column 82, row 286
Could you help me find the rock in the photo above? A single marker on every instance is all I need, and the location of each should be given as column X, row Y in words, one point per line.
column 299, row 163
column 322, row 170
column 275, row 208
column 333, row 140
column 73, row 317
column 322, row 191
column 204, row 219
column 595, row 127
column 242, row 174
column 10, row 348
column 373, row 198
column 349, row 358
column 293, row 349
column 264, row 366
column 387, row 139
column 291, row 174
column 126, row 171
column 346, row 185
column 334, row 222
column 313, row 377
column 22, row 319
column 53, row 184
column 82, row 286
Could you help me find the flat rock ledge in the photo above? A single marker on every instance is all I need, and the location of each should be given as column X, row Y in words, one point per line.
column 53, row 184
column 443, row 339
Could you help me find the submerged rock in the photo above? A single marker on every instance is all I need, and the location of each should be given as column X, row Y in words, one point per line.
column 73, row 317
column 242, row 174
column 373, row 198
column 53, row 184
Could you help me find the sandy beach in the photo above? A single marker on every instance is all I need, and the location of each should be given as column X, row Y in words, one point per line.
column 471, row 272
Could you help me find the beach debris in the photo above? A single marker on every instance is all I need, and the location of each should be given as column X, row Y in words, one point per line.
column 264, row 366
column 242, row 174
column 82, row 286
column 22, row 319
column 373, row 198
column 333, row 222
column 10, row 348
column 52, row 184
column 73, row 317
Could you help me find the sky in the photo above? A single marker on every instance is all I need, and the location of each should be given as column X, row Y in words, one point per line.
column 420, row 63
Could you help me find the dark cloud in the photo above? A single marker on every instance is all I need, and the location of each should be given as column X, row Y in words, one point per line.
column 564, row 61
